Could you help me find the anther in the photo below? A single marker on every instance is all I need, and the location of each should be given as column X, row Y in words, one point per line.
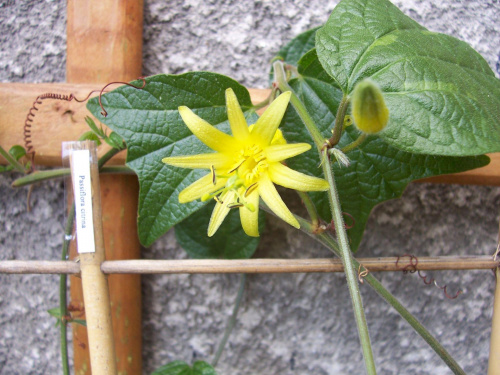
column 235, row 168
column 212, row 169
column 250, row 189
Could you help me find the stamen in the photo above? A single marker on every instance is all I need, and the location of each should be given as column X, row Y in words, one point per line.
column 235, row 168
column 250, row 189
column 233, row 181
column 212, row 169
column 235, row 205
column 259, row 157
column 217, row 199
column 205, row 197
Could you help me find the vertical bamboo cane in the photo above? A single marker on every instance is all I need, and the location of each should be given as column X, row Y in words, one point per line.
column 94, row 282
column 494, row 360
column 104, row 44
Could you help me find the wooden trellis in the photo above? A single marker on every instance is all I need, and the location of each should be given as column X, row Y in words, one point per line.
column 101, row 52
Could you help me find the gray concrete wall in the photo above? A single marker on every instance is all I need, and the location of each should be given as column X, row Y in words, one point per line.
column 289, row 324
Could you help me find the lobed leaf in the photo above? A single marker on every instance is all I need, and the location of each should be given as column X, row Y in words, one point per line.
column 149, row 122
column 378, row 171
column 442, row 96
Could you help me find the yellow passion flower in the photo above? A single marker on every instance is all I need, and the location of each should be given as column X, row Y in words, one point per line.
column 245, row 166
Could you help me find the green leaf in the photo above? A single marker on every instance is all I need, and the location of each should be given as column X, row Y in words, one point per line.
column 182, row 368
column 150, row 124
column 378, row 171
column 90, row 122
column 81, row 322
column 229, row 242
column 298, row 46
column 90, row 136
column 6, row 168
column 203, row 368
column 442, row 96
column 17, row 152
column 55, row 312
column 115, row 141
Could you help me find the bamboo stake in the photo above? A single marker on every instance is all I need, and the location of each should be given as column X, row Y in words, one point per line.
column 94, row 282
column 104, row 44
column 208, row 266
column 494, row 360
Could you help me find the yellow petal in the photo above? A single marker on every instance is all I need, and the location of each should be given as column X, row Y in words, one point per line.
column 220, row 212
column 239, row 126
column 208, row 134
column 286, row 177
column 273, row 200
column 282, row 152
column 249, row 219
column 200, row 161
column 278, row 138
column 266, row 125
column 200, row 187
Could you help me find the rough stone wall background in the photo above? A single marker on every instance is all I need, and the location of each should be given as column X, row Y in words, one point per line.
column 288, row 324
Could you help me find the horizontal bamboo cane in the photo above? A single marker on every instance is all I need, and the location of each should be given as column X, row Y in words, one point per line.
column 205, row 266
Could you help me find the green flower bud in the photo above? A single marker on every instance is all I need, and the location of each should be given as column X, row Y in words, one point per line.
column 368, row 107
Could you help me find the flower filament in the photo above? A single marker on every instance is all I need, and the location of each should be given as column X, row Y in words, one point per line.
column 242, row 177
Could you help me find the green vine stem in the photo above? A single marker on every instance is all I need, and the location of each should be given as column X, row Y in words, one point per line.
column 327, row 240
column 12, row 161
column 63, row 278
column 280, row 77
column 349, row 267
column 63, row 282
column 266, row 101
column 339, row 121
column 40, row 176
column 231, row 320
column 311, row 209
column 331, row 243
column 355, row 144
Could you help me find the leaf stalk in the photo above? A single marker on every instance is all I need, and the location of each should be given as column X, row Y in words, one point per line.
column 280, row 77
column 51, row 174
column 339, row 122
column 12, row 161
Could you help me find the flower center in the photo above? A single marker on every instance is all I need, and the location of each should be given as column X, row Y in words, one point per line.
column 242, row 178
column 250, row 164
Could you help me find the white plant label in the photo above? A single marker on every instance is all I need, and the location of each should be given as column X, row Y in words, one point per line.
column 83, row 201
